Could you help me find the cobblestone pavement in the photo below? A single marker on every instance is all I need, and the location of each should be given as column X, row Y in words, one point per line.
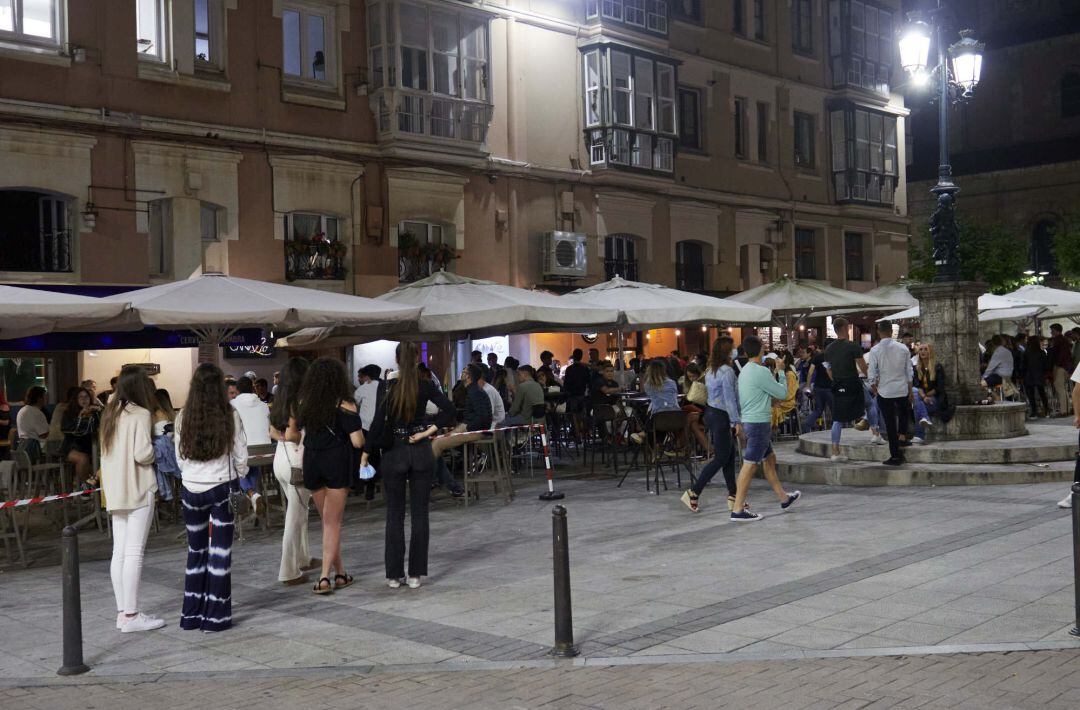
column 1045, row 680
column 893, row 571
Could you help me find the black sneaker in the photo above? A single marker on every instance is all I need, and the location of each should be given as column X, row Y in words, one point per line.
column 905, row 442
column 479, row 464
column 791, row 499
column 744, row 517
column 894, row 461
column 458, row 492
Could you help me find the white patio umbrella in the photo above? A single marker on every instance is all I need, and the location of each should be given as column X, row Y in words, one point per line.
column 991, row 307
column 1060, row 303
column 214, row 305
column 643, row 306
column 895, row 293
column 29, row 311
column 455, row 307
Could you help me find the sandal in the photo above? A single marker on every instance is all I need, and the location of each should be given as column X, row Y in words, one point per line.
column 320, row 589
column 347, row 579
column 691, row 500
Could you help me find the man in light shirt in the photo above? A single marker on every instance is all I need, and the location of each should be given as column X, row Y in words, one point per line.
column 366, row 394
column 889, row 377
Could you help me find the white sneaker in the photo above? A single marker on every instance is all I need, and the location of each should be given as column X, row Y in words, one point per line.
column 637, row 437
column 413, row 582
column 877, row 439
column 925, row 423
column 394, row 583
column 141, row 622
column 917, row 440
column 256, row 498
column 1065, row 502
column 119, row 620
column 838, row 458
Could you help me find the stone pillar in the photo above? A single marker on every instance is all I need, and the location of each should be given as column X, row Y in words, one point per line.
column 949, row 319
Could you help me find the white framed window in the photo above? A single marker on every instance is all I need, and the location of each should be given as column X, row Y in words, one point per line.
column 153, row 30
column 665, row 99
column 651, row 15
column 209, row 34
column 864, row 155
column 593, row 108
column 419, row 252
column 634, row 12
column 658, row 19
column 309, row 44
column 37, row 231
column 305, row 226
column 622, row 89
column 32, row 22
column 644, row 94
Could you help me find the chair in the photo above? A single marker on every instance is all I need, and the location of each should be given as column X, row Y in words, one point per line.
column 601, row 441
column 7, row 490
column 670, row 437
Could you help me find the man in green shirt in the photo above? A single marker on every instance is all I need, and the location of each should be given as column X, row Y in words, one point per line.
column 527, row 395
column 758, row 387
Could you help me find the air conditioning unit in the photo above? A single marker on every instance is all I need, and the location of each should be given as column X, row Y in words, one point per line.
column 564, row 255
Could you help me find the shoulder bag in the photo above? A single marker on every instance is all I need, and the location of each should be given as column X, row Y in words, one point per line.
column 239, row 503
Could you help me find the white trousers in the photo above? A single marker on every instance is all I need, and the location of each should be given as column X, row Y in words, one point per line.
column 130, row 530
column 294, row 540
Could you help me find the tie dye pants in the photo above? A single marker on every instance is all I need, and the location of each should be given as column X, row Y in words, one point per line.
column 207, row 580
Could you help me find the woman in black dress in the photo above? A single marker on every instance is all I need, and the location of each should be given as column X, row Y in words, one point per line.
column 80, row 423
column 331, row 432
column 400, row 426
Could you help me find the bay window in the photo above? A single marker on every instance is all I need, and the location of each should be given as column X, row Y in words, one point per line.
column 630, row 109
column 36, row 23
column 864, row 155
column 648, row 15
column 429, row 68
column 861, row 43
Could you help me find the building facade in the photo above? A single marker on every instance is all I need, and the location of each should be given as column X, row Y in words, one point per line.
column 354, row 144
column 1015, row 147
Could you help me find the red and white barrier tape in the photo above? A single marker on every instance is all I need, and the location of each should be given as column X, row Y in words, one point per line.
column 45, row 499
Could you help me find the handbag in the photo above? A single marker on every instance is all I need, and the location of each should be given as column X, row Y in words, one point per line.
column 239, row 503
column 296, row 473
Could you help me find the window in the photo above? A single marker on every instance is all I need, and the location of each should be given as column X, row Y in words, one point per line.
column 33, row 22
column 738, row 17
column 864, row 155
column 35, row 231
column 210, row 218
column 421, row 250
column 308, row 42
column 689, row 266
column 805, row 254
column 440, row 58
column 740, row 127
column 160, row 219
column 313, row 249
column 802, row 26
column 634, row 12
column 209, row 34
column 632, row 98
column 658, row 16
column 1070, row 95
column 759, row 19
column 651, row 15
column 690, row 128
column 762, row 132
column 620, row 257
column 861, row 45
column 685, row 10
column 804, row 140
column 152, row 30
column 853, row 256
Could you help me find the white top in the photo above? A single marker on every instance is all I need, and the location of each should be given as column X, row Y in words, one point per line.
column 1001, row 363
column 889, row 367
column 365, row 402
column 32, row 424
column 1076, row 374
column 498, row 410
column 201, row 476
column 255, row 414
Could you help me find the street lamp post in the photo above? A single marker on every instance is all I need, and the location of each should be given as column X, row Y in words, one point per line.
column 955, row 82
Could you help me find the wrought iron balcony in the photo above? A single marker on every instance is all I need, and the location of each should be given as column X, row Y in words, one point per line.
column 47, row 252
column 626, row 268
column 314, row 260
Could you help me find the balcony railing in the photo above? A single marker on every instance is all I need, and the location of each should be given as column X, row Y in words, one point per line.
column 47, row 252
column 626, row 268
column 690, row 277
column 402, row 111
column 323, row 260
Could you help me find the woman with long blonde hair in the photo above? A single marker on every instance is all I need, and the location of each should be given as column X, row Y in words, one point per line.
column 927, row 388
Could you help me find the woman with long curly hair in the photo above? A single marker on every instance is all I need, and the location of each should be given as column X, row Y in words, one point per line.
column 79, row 424
column 332, row 430
column 295, row 557
column 211, row 449
column 129, row 486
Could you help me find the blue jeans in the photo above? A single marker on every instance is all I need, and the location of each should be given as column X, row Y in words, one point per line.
column 923, row 410
column 873, row 414
column 758, row 441
column 823, row 397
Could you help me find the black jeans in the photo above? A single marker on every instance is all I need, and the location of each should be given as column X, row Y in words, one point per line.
column 1031, row 391
column 415, row 463
column 895, row 412
column 723, row 451
column 823, row 397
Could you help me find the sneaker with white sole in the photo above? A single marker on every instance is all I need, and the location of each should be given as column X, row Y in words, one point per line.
column 877, row 439
column 744, row 517
column 838, row 458
column 119, row 620
column 141, row 622
column 1065, row 502
column 917, row 440
column 926, row 422
column 413, row 582
column 394, row 583
column 790, row 500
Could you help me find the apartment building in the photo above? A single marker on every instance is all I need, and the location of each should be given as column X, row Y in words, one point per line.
column 355, row 144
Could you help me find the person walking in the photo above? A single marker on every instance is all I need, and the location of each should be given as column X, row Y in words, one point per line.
column 758, row 387
column 889, row 377
column 211, row 450
column 845, row 361
column 295, row 555
column 332, row 430
column 129, row 485
column 400, row 428
column 721, row 416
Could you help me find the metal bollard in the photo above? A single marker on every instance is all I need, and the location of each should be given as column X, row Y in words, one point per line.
column 564, row 623
column 69, row 563
column 1076, row 551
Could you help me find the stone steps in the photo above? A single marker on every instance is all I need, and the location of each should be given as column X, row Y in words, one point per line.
column 1043, row 444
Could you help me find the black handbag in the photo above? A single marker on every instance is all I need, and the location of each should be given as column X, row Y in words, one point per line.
column 239, row 503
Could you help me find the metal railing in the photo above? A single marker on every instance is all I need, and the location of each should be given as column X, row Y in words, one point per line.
column 626, row 268
column 313, row 261
column 47, row 252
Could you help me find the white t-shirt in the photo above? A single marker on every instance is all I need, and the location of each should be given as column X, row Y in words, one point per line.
column 1076, row 374
column 365, row 396
column 498, row 410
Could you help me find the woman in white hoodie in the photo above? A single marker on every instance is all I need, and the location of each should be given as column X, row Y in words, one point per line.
column 129, row 486
column 211, row 449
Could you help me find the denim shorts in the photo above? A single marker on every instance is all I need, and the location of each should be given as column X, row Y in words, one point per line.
column 758, row 441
